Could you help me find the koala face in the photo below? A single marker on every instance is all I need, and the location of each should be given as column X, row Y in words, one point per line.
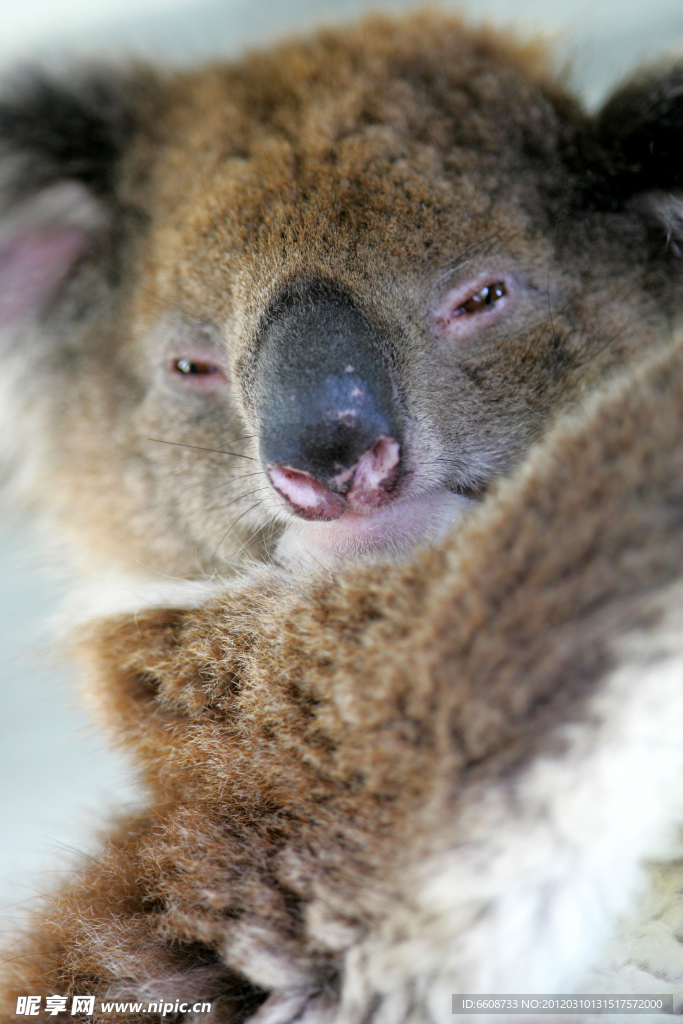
column 322, row 297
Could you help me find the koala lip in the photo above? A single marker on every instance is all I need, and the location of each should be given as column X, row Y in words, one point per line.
column 396, row 526
column 365, row 487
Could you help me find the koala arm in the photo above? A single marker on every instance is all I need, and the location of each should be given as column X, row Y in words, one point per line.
column 360, row 782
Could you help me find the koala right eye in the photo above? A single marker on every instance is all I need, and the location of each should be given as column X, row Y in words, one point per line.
column 471, row 308
column 481, row 300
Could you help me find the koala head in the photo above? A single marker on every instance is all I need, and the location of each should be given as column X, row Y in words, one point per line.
column 322, row 296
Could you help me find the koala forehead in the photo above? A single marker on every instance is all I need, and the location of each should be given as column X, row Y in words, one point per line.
column 297, row 162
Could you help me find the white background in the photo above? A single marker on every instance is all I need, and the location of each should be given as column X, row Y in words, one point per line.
column 57, row 782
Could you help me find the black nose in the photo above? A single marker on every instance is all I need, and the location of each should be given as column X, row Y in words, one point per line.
column 328, row 419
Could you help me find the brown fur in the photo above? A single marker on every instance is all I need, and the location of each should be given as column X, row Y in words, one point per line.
column 305, row 746
column 393, row 159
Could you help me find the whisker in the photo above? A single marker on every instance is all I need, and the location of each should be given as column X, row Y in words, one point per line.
column 198, row 448
column 464, row 258
column 550, row 259
column 233, row 525
column 247, row 495
column 610, row 339
column 441, row 459
column 229, row 480
column 445, row 458
column 271, row 525
column 245, row 476
column 224, row 484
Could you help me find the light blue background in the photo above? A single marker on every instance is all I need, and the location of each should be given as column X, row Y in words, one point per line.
column 57, row 781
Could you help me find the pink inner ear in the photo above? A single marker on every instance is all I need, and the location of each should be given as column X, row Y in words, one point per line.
column 32, row 265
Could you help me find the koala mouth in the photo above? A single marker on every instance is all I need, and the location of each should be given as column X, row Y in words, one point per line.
column 366, row 507
column 359, row 510
column 393, row 528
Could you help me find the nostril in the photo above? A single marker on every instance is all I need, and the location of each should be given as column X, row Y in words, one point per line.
column 375, row 475
column 309, row 498
column 367, row 484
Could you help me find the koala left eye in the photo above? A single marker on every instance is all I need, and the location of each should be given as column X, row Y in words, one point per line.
column 466, row 310
column 195, row 367
column 197, row 372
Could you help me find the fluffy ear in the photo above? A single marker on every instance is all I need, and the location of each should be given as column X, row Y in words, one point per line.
column 638, row 160
column 61, row 147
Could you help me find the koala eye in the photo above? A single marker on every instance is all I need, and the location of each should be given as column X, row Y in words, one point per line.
column 464, row 311
column 197, row 373
column 484, row 299
column 194, row 367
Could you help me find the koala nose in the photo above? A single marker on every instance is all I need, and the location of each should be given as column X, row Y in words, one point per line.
column 329, row 431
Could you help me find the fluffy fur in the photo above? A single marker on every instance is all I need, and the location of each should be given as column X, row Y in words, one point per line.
column 402, row 781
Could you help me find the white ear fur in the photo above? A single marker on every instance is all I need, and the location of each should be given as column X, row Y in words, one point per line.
column 40, row 240
column 667, row 209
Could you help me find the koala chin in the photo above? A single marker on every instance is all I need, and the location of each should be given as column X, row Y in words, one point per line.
column 320, row 297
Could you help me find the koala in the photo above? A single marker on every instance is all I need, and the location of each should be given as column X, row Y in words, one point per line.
column 317, row 303
column 313, row 302
column 377, row 786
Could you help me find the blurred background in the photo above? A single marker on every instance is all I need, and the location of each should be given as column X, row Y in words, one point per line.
column 57, row 780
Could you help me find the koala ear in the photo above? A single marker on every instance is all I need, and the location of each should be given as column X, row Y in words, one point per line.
column 638, row 156
column 60, row 151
